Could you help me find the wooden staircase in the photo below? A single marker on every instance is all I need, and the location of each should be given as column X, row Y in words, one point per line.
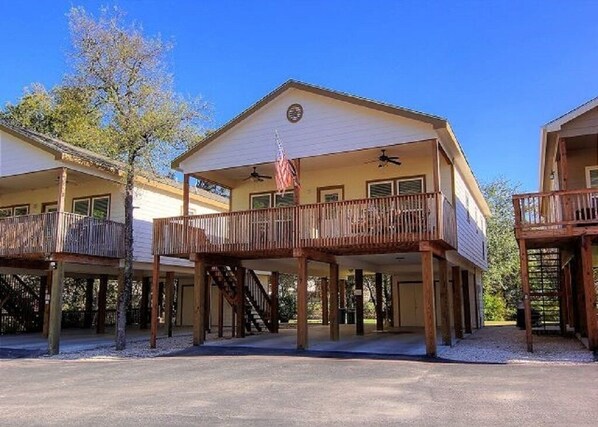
column 20, row 309
column 544, row 270
column 257, row 302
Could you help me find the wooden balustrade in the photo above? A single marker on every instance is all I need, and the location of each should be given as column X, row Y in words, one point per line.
column 64, row 232
column 364, row 223
column 556, row 210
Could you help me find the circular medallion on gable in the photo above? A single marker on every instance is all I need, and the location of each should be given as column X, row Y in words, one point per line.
column 294, row 113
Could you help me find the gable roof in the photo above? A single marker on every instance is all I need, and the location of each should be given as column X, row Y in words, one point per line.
column 555, row 126
column 435, row 121
column 65, row 151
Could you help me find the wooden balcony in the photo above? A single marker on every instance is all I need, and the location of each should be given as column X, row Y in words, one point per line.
column 41, row 235
column 556, row 215
column 353, row 226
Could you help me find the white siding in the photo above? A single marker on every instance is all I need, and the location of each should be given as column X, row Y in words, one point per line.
column 152, row 203
column 18, row 157
column 327, row 126
column 471, row 233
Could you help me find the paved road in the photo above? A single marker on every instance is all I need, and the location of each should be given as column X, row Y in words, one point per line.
column 290, row 390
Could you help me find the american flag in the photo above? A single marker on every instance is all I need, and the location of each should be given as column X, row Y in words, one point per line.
column 286, row 173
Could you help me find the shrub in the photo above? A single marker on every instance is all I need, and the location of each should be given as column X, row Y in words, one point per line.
column 494, row 307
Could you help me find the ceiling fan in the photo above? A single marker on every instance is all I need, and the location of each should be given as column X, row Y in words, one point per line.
column 256, row 177
column 384, row 160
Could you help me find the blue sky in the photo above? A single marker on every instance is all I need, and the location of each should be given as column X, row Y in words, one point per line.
column 497, row 70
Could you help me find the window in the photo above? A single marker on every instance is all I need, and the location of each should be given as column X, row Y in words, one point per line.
column 467, row 208
column 14, row 211
column 410, row 186
column 5, row 212
column 380, row 189
column 50, row 207
column 268, row 200
column 21, row 210
column 592, row 176
column 287, row 200
column 97, row 207
column 261, row 201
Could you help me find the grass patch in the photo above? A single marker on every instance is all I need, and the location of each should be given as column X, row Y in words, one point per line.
column 499, row 323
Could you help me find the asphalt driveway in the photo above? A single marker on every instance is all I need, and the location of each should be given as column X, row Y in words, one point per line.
column 277, row 390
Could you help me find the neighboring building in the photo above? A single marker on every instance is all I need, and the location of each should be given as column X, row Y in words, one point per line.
column 62, row 213
column 356, row 211
column 558, row 227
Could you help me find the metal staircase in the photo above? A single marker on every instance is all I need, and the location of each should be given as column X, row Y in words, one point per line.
column 257, row 301
column 20, row 309
column 544, row 270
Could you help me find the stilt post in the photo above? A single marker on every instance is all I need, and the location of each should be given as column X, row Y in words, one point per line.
column 199, row 294
column 302, row 337
column 56, row 309
column 379, row 312
column 324, row 290
column 527, row 305
column 445, row 303
column 274, row 287
column 590, row 292
column 429, row 306
column 155, row 301
column 359, row 329
column 169, row 302
column 334, row 328
column 102, row 295
column 240, row 275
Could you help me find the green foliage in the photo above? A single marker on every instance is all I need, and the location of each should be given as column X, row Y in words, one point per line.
column 502, row 280
column 287, row 297
column 494, row 307
column 64, row 112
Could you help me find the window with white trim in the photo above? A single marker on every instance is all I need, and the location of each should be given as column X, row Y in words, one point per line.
column 592, row 176
column 97, row 207
column 14, row 211
column 261, row 201
column 410, row 186
column 380, row 189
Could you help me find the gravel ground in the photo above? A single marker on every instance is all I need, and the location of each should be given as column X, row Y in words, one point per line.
column 506, row 344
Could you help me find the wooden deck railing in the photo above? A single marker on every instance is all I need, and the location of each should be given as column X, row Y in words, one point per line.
column 364, row 222
column 44, row 234
column 555, row 210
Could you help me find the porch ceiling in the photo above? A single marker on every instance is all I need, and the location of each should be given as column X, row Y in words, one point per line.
column 407, row 262
column 41, row 179
column 233, row 176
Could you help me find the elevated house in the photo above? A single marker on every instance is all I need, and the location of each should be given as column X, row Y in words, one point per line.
column 383, row 189
column 62, row 215
column 557, row 229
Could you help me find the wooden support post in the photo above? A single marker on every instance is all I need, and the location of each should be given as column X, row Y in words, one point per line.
column 56, row 309
column 88, row 318
column 220, row 313
column 102, row 295
column 274, row 285
column 466, row 300
column 396, row 302
column 476, row 301
column 155, row 308
column 379, row 312
column 562, row 303
column 41, row 303
column 445, row 303
column 589, row 292
column 359, row 329
column 324, row 289
column 334, row 328
column 240, row 275
column 302, row 338
column 208, row 304
column 457, row 302
column 186, row 194
column 527, row 305
column 144, row 303
column 429, row 307
column 199, row 293
column 169, row 302
column 46, row 326
column 342, row 301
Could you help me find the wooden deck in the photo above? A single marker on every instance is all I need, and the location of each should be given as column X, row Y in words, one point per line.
column 353, row 226
column 42, row 235
column 553, row 218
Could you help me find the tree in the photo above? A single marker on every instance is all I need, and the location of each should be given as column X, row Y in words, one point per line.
column 502, row 280
column 125, row 75
column 64, row 112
